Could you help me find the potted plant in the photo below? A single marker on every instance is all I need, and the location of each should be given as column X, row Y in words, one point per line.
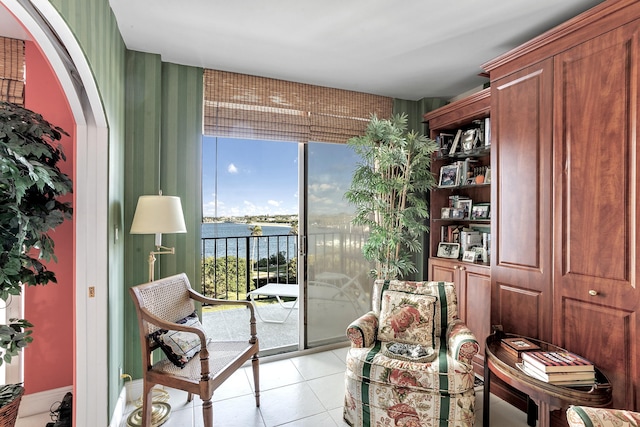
column 389, row 191
column 30, row 185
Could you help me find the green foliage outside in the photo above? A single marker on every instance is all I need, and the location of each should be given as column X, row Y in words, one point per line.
column 226, row 277
column 389, row 191
column 30, row 185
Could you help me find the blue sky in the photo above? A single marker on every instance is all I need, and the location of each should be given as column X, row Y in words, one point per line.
column 254, row 177
column 261, row 177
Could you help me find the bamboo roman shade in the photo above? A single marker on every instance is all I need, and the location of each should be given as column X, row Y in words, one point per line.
column 243, row 106
column 12, row 70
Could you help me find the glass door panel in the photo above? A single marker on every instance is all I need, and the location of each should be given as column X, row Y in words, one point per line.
column 338, row 286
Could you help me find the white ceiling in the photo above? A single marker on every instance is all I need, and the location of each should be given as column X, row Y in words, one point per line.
column 406, row 49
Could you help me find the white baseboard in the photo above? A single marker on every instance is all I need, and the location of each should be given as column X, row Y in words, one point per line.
column 41, row 403
column 130, row 392
column 120, row 409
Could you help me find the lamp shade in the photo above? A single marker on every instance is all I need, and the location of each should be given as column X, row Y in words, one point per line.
column 158, row 215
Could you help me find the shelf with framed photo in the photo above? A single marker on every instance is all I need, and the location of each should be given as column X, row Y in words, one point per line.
column 461, row 165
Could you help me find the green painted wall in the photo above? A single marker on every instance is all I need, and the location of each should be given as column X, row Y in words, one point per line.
column 96, row 30
column 182, row 163
column 414, row 111
column 163, row 152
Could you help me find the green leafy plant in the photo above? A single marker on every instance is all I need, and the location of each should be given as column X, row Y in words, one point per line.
column 30, row 185
column 9, row 392
column 389, row 191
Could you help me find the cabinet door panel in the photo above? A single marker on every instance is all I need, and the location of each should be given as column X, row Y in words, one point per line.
column 521, row 311
column 596, row 198
column 521, row 263
column 478, row 298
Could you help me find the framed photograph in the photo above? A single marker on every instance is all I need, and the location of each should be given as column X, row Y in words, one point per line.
column 445, row 140
column 466, row 205
column 456, row 213
column 480, row 211
column 449, row 176
column 481, row 254
column 448, row 250
column 469, row 256
column 444, row 213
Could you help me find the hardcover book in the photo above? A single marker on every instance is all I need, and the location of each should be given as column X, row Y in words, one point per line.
column 556, row 361
column 516, row 346
column 559, row 378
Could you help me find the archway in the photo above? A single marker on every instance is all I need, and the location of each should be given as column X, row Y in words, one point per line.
column 42, row 21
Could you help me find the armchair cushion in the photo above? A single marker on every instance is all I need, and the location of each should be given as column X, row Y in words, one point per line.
column 180, row 346
column 406, row 318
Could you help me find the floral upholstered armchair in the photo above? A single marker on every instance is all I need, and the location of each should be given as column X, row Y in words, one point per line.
column 410, row 359
column 585, row 416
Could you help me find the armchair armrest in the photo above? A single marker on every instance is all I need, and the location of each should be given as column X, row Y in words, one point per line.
column 461, row 342
column 579, row 416
column 363, row 331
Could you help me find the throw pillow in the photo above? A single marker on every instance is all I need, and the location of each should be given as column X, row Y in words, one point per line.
column 180, row 346
column 406, row 318
column 447, row 306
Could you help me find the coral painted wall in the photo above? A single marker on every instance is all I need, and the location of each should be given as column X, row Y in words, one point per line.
column 49, row 358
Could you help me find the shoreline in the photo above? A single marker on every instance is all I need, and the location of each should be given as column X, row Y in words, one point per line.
column 248, row 224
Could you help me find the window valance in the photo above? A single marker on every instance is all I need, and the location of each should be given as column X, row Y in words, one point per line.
column 244, row 106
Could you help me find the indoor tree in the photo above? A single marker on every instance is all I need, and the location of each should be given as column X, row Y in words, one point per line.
column 389, row 190
column 30, row 186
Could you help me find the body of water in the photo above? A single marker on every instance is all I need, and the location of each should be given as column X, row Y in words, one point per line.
column 230, row 239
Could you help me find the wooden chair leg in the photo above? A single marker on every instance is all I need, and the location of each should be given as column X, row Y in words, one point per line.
column 207, row 413
column 255, row 363
column 147, row 404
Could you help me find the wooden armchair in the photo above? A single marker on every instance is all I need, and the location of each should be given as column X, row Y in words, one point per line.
column 165, row 310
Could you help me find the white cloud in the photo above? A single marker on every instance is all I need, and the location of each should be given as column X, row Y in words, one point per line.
column 232, row 168
column 317, row 188
column 273, row 203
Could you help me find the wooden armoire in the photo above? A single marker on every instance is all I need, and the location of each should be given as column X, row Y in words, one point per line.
column 565, row 157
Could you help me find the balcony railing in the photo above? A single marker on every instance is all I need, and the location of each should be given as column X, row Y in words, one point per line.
column 234, row 266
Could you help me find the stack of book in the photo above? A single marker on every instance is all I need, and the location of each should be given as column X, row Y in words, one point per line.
column 559, row 368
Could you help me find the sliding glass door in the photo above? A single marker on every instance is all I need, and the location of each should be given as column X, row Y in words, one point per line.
column 337, row 284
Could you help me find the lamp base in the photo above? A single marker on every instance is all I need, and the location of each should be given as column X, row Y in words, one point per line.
column 160, row 412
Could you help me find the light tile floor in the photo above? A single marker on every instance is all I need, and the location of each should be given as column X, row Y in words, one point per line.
column 301, row 391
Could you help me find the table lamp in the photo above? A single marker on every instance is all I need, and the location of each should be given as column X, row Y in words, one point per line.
column 158, row 215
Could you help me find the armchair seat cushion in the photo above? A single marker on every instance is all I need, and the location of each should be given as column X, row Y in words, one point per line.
column 221, row 354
